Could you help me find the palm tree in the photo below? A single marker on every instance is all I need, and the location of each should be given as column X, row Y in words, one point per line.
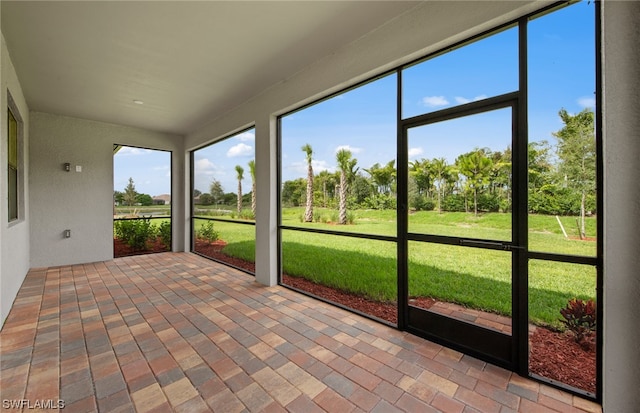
column 383, row 176
column 308, row 212
column 346, row 164
column 421, row 173
column 252, row 170
column 240, row 172
column 476, row 167
column 439, row 168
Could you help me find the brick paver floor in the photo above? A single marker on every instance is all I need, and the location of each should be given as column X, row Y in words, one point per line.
column 178, row 332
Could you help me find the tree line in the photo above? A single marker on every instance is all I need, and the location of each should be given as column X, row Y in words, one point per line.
column 217, row 195
column 130, row 197
column 562, row 180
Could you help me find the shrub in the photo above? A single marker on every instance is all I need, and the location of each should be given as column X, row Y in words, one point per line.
column 379, row 201
column 488, row 203
column 207, row 232
column 247, row 214
column 422, row 203
column 453, row 203
column 135, row 233
column 164, row 232
column 579, row 317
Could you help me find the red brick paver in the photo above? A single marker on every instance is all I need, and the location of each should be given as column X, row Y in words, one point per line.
column 178, row 332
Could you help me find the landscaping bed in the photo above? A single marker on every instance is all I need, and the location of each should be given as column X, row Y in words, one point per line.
column 122, row 249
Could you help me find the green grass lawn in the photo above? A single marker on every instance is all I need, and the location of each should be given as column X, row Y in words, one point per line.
column 473, row 277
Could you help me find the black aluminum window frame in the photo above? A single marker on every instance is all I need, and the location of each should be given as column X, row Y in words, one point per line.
column 524, row 254
column 116, row 148
column 193, row 217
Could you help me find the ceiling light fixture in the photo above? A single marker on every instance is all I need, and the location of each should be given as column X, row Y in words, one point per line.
column 138, row 102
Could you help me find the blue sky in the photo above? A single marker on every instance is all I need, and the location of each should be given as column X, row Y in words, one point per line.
column 150, row 170
column 219, row 162
column 561, row 75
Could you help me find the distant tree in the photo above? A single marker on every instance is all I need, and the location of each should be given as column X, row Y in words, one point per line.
column 216, row 191
column 346, row 165
column 196, row 193
column 130, row 193
column 383, row 177
column 539, row 166
column 206, row 199
column 291, row 194
column 577, row 155
column 144, row 199
column 420, row 171
column 240, row 176
column 500, row 178
column 308, row 211
column 252, row 171
column 326, row 182
column 440, row 170
column 476, row 167
column 118, row 197
column 230, row 198
column 360, row 188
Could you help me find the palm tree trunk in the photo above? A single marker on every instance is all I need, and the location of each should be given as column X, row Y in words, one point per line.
column 239, row 203
column 343, row 198
column 253, row 198
column 308, row 212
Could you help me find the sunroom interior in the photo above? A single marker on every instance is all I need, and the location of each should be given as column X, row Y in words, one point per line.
column 79, row 78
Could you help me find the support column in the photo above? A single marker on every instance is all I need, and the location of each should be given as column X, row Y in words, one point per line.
column 266, row 198
column 621, row 88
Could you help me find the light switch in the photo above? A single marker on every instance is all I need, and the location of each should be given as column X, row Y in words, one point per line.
column 78, row 168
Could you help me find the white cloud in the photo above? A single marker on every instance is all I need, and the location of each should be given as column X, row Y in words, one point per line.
column 246, row 136
column 349, row 148
column 240, row 149
column 413, row 152
column 205, row 167
column 462, row 100
column 434, row 101
column 205, row 171
column 587, row 102
column 318, row 166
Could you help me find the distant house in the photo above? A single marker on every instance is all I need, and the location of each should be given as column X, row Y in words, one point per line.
column 164, row 199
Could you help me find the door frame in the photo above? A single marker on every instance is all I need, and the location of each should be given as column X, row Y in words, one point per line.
column 486, row 344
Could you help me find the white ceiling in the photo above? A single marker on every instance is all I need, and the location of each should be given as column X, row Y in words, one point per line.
column 187, row 61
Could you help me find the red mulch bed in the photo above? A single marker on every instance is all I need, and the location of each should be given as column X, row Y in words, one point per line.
column 557, row 356
column 121, row 249
column 553, row 355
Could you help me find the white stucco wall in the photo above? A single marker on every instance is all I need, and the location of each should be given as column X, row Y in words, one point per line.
column 14, row 236
column 83, row 201
column 621, row 124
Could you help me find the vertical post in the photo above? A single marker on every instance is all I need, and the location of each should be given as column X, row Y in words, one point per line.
column 266, row 201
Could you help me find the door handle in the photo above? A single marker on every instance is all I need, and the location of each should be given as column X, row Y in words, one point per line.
column 496, row 245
